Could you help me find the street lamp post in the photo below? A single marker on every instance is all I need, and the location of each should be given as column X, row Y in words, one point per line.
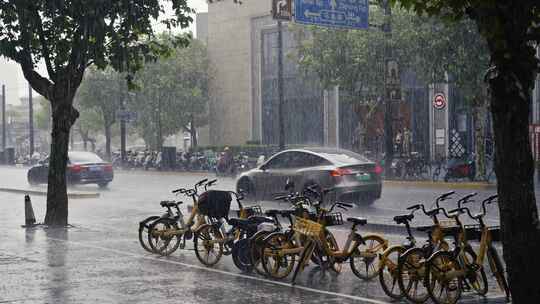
column 122, row 132
column 281, row 102
column 4, row 158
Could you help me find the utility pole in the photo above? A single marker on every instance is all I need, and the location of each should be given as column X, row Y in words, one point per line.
column 31, row 119
column 281, row 105
column 388, row 121
column 122, row 131
column 4, row 158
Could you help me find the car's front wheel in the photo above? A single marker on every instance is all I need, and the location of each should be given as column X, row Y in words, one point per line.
column 103, row 185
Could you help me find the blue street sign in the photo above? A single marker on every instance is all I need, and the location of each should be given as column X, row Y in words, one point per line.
column 339, row 13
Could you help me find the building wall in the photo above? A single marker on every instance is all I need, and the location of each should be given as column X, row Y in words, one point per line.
column 229, row 51
column 201, row 20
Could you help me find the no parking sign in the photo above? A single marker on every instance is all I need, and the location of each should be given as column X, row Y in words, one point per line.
column 439, row 102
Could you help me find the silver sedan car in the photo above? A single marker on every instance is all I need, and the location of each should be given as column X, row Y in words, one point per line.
column 352, row 177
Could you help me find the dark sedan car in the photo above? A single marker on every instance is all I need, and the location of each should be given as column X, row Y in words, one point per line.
column 82, row 168
column 352, row 177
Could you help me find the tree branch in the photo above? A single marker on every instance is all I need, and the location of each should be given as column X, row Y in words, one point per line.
column 40, row 84
column 44, row 47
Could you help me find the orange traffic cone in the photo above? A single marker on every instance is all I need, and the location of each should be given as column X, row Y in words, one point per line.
column 30, row 219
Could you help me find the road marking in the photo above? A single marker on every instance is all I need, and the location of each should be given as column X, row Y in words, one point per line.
column 139, row 256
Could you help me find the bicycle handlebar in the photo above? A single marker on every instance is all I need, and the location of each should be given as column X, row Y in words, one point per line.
column 210, row 184
column 466, row 199
column 443, row 197
column 202, row 181
column 488, row 201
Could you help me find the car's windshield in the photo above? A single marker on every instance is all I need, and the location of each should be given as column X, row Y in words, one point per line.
column 84, row 157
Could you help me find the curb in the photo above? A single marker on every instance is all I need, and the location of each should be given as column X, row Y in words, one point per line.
column 44, row 193
column 440, row 185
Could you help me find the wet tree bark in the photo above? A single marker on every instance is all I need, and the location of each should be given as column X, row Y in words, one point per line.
column 64, row 116
column 514, row 168
column 479, row 118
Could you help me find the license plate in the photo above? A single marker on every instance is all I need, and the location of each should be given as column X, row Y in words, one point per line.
column 363, row 177
column 95, row 169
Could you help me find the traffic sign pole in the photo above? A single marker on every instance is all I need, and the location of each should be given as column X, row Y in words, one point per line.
column 281, row 105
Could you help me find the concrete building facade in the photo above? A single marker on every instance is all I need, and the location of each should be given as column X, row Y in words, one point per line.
column 229, row 51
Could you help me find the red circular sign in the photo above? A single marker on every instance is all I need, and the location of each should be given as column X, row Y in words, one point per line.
column 439, row 102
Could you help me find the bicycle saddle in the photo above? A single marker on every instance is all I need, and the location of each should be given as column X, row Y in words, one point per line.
column 357, row 220
column 402, row 219
column 169, row 204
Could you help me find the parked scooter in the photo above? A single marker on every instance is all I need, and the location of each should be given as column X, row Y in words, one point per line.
column 460, row 168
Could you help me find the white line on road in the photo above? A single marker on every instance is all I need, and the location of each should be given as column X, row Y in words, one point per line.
column 139, row 256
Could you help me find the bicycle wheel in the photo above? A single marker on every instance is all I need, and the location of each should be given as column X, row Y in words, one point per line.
column 241, row 255
column 498, row 270
column 365, row 258
column 143, row 232
column 320, row 258
column 255, row 244
column 411, row 272
column 442, row 286
column 276, row 264
column 208, row 247
column 163, row 236
column 388, row 275
column 476, row 276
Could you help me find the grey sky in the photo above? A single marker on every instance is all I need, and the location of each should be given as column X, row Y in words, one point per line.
column 16, row 86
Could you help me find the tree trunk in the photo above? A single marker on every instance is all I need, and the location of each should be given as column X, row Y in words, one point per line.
column 479, row 118
column 64, row 116
column 93, row 144
column 108, row 141
column 514, row 167
column 193, row 132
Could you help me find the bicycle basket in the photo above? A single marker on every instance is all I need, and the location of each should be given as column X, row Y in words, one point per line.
column 307, row 227
column 250, row 211
column 473, row 232
column 447, row 224
column 333, row 219
column 215, row 203
column 304, row 213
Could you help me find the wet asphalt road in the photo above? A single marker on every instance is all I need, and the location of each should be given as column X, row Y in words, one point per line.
column 99, row 260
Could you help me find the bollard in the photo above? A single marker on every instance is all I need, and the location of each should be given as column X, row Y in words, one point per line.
column 30, row 219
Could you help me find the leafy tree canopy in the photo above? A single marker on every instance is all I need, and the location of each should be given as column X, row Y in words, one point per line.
column 71, row 35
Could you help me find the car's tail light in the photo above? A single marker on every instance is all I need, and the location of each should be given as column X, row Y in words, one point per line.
column 340, row 172
column 108, row 168
column 76, row 168
column 378, row 169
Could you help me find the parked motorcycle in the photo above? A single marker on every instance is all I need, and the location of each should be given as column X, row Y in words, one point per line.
column 460, row 168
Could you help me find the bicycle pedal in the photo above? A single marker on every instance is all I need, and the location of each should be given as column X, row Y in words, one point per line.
column 188, row 235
